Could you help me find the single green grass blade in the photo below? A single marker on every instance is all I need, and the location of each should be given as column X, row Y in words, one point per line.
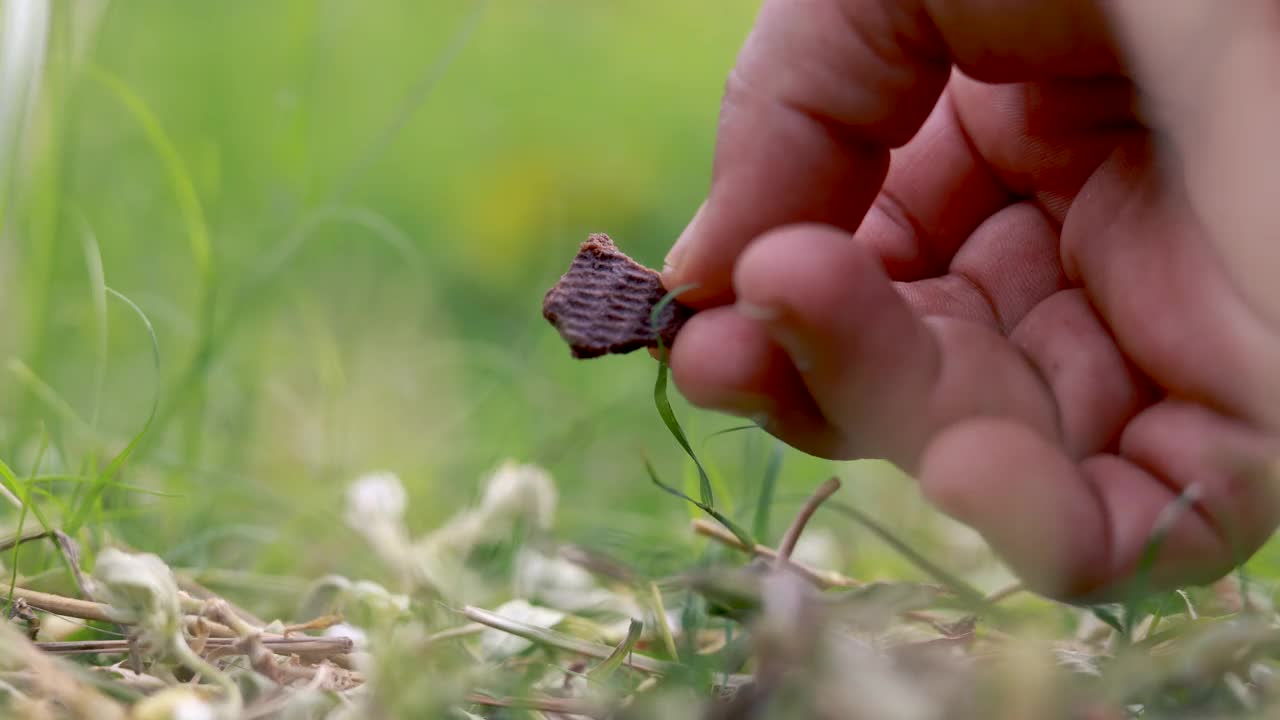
column 663, row 403
column 602, row 671
column 664, row 627
column 49, row 497
column 768, row 487
column 192, row 212
column 14, row 485
column 543, row 636
column 417, row 96
column 707, row 502
column 17, row 548
column 179, row 177
column 127, row 487
column 1135, row 605
column 729, row 430
column 673, row 425
column 22, row 516
column 103, row 480
column 47, row 395
column 963, row 590
column 737, row 530
column 98, row 290
column 1109, row 616
column 45, row 129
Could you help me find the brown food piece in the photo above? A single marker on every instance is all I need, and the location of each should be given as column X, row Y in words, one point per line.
column 603, row 303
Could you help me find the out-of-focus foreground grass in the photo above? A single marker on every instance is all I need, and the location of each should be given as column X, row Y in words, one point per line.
column 340, row 219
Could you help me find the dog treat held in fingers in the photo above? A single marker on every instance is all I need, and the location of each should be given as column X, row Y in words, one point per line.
column 603, row 303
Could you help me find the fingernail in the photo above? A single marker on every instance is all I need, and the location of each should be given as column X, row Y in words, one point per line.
column 674, row 256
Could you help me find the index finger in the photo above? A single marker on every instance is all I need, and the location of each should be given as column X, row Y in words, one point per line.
column 824, row 88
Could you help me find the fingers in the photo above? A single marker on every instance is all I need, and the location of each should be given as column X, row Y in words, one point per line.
column 725, row 361
column 1227, row 461
column 1043, row 139
column 937, row 191
column 881, row 375
column 1007, row 266
column 1098, row 390
column 1079, row 532
column 1026, row 499
column 1149, row 270
column 823, row 88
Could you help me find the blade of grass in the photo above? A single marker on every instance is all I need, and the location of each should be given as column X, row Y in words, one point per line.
column 127, row 487
column 606, row 667
column 663, row 403
column 673, row 425
column 1140, row 593
column 542, row 636
column 46, row 122
column 180, row 178
column 418, row 95
column 22, row 516
column 25, row 36
column 768, row 486
column 742, row 535
column 1106, row 614
column 664, row 627
column 100, row 484
column 98, row 289
column 47, row 395
column 192, row 213
column 727, row 431
column 966, row 592
column 11, row 479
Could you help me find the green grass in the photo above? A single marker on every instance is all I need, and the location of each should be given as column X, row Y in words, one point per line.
column 253, row 251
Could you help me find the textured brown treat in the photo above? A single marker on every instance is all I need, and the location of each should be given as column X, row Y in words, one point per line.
column 603, row 303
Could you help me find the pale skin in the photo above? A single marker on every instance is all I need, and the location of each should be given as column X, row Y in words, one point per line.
column 1026, row 251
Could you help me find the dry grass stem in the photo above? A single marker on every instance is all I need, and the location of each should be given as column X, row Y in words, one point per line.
column 825, row 579
column 567, row 643
column 302, row 647
column 563, row 706
column 792, row 536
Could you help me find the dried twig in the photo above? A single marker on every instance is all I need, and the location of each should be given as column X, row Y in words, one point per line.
column 189, row 585
column 8, row 543
column 563, row 706
column 220, row 610
column 302, row 647
column 88, row 610
column 789, row 540
column 55, row 680
column 67, row 547
column 825, row 579
column 324, row 622
column 60, row 605
column 453, row 633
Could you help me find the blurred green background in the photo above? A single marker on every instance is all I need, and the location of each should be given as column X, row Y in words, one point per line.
column 341, row 218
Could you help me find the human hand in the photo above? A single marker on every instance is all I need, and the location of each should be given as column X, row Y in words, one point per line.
column 1052, row 303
